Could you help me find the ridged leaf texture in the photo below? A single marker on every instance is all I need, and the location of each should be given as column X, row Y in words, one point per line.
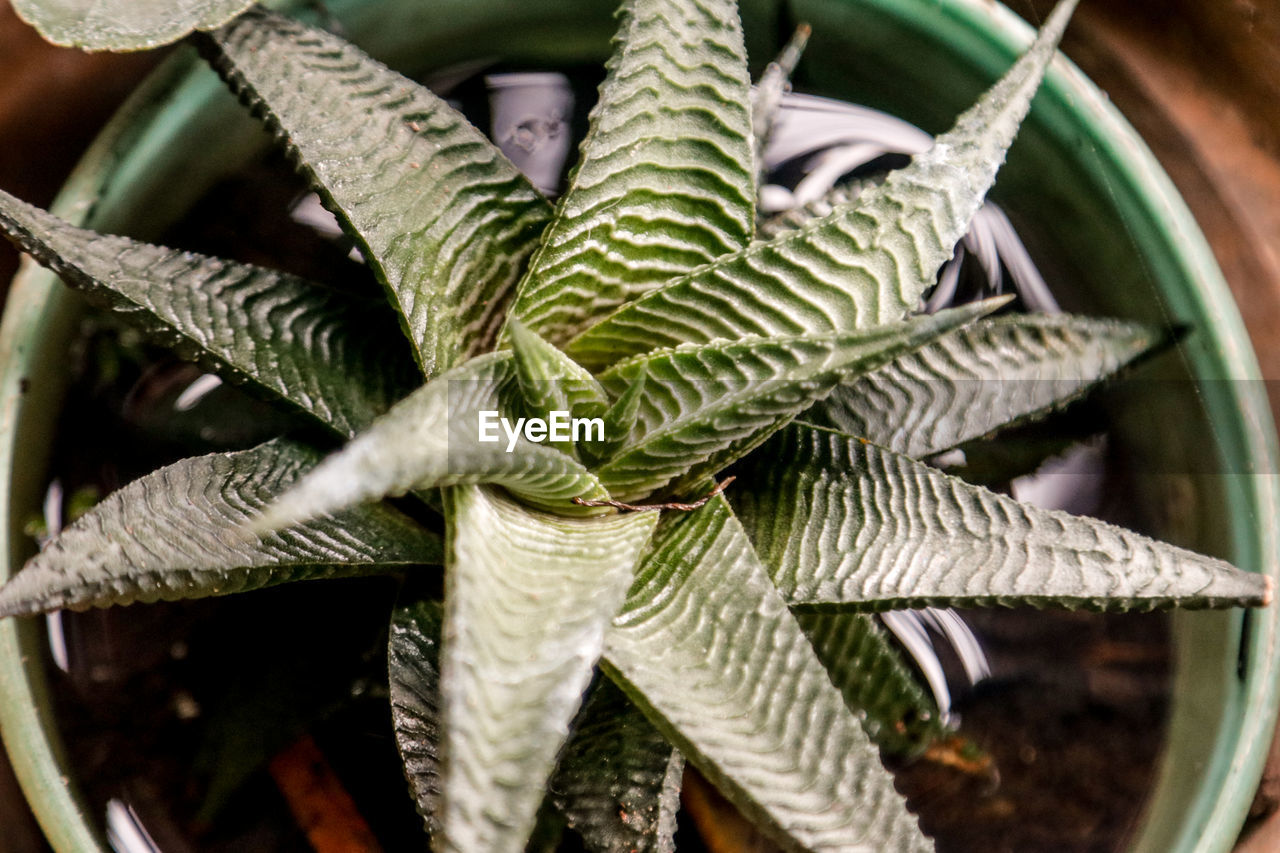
column 618, row 781
column 528, row 599
column 431, row 439
column 704, row 406
column 124, row 24
column 413, row 665
column 178, row 533
column 334, row 356
column 707, row 647
column 844, row 524
column 443, row 218
column 665, row 182
column 866, row 263
column 977, row 379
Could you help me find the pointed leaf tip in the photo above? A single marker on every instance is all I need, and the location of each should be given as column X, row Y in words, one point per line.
column 433, row 438
column 180, row 533
column 853, row 526
column 865, row 264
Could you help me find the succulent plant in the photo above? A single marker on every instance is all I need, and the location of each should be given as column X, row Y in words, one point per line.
column 591, row 368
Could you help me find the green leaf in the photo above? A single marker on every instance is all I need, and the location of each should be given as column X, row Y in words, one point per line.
column 666, row 181
column 443, row 218
column 176, row 533
column 844, row 524
column 124, row 24
column 336, row 357
column 706, row 646
column 704, row 406
column 875, row 680
column 865, row 264
column 528, row 599
column 551, row 381
column 980, row 378
column 413, row 664
column 431, row 439
column 618, row 780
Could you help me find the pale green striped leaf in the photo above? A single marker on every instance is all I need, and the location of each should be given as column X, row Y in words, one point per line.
column 432, row 439
column 706, row 646
column 176, row 533
column 666, row 181
column 413, row 666
column 977, row 379
column 443, row 218
column 124, row 24
column 874, row 678
column 338, row 358
column 843, row 523
column 706, row 405
column 618, row 781
column 867, row 263
column 529, row 597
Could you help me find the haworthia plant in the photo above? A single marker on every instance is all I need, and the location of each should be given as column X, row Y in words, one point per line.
column 728, row 633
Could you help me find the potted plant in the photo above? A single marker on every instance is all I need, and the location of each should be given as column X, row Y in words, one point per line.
column 629, row 472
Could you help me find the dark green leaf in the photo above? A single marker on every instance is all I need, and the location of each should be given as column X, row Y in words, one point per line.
column 844, row 524
column 441, row 215
column 413, row 661
column 705, row 406
column 177, row 533
column 708, row 649
column 980, row 378
column 666, row 180
column 333, row 356
column 875, row 680
column 618, row 781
